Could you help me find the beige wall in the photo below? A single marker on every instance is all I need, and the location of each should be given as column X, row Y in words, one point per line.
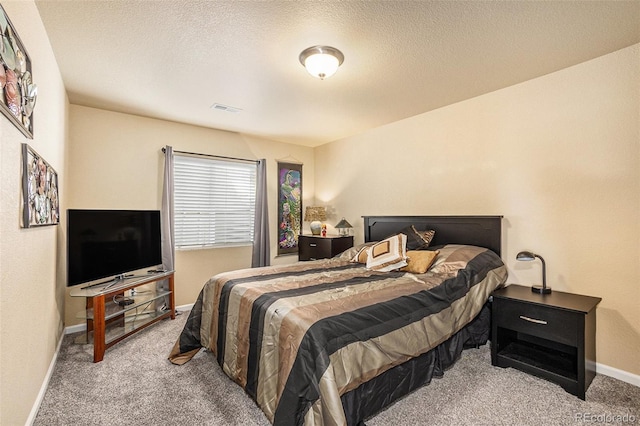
column 558, row 156
column 31, row 287
column 115, row 162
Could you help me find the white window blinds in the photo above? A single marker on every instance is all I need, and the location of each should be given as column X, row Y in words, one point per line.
column 214, row 202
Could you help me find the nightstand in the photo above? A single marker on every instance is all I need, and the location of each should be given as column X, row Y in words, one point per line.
column 312, row 247
column 552, row 336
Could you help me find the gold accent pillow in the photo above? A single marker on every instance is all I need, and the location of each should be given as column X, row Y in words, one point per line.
column 418, row 262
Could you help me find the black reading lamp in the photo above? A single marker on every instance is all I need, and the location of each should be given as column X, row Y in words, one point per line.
column 528, row 256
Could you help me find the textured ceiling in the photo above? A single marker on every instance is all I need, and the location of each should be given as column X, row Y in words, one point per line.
column 174, row 59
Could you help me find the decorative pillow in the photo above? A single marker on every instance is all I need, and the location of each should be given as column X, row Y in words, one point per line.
column 362, row 254
column 349, row 253
column 428, row 236
column 417, row 240
column 418, row 262
column 389, row 254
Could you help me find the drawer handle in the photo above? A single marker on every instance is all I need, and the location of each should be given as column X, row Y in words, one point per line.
column 312, row 245
column 537, row 321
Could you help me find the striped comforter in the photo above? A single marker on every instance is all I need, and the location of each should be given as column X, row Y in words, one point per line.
column 297, row 337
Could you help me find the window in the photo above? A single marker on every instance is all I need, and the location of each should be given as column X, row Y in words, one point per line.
column 214, row 201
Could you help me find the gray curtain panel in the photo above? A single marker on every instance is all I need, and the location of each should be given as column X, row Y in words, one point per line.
column 261, row 255
column 166, row 216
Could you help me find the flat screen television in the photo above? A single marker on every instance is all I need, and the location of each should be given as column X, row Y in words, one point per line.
column 111, row 243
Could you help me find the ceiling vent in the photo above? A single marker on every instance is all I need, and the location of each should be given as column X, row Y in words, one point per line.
column 227, row 108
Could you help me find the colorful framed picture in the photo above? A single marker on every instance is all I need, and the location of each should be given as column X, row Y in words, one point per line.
column 18, row 93
column 40, row 197
column 289, row 207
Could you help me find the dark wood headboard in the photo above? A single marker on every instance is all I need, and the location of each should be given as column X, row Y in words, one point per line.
column 482, row 231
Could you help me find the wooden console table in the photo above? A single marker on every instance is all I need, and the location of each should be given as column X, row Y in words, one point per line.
column 110, row 318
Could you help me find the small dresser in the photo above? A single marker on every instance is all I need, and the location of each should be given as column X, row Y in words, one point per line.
column 552, row 336
column 313, row 247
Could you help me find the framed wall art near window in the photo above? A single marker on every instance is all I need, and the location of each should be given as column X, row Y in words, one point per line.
column 17, row 92
column 289, row 207
column 40, row 197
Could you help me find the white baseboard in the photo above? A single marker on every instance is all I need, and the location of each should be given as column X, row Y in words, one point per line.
column 183, row 308
column 82, row 327
column 75, row 328
column 622, row 375
column 45, row 385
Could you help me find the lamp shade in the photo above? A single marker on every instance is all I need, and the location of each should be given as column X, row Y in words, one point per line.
column 526, row 256
column 315, row 215
column 321, row 61
column 529, row 256
column 343, row 226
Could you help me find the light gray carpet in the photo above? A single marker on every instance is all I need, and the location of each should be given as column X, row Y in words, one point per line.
column 137, row 385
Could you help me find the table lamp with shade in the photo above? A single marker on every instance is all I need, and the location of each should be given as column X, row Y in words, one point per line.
column 315, row 215
column 529, row 256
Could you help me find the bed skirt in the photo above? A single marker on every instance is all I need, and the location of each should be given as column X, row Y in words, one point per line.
column 373, row 396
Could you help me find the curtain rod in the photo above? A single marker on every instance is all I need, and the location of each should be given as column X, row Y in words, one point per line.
column 214, row 156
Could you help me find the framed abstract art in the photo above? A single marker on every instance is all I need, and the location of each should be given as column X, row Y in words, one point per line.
column 289, row 207
column 40, row 197
column 18, row 93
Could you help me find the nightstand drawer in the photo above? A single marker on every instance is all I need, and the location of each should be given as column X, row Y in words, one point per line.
column 318, row 248
column 537, row 320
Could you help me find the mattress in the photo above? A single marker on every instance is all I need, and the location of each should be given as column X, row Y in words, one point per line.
column 299, row 338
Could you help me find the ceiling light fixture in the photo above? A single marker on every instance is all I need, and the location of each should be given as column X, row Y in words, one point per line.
column 321, row 61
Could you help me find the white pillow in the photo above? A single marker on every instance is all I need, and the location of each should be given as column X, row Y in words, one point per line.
column 389, row 254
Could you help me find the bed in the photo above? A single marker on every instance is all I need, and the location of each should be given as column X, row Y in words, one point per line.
column 332, row 341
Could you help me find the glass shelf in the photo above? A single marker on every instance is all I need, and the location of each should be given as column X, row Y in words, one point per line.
column 117, row 329
column 115, row 286
column 142, row 299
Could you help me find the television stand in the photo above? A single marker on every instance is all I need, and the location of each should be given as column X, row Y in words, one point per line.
column 109, row 322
